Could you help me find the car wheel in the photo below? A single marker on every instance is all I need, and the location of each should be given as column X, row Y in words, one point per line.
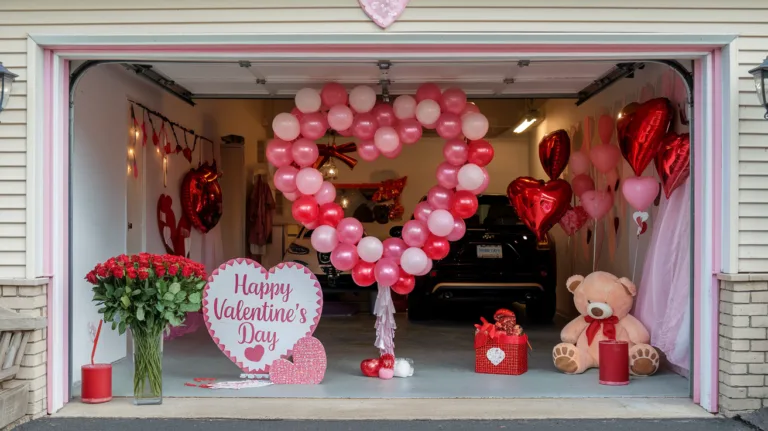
column 541, row 310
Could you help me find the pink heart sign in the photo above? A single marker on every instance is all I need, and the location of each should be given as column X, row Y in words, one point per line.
column 257, row 316
column 383, row 12
column 308, row 366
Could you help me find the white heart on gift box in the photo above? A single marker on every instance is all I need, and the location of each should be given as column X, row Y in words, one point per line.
column 495, row 355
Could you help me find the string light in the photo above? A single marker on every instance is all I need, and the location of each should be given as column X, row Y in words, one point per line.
column 344, row 202
column 329, row 170
column 158, row 150
column 130, row 151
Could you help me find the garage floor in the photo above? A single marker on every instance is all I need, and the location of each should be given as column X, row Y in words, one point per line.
column 443, row 356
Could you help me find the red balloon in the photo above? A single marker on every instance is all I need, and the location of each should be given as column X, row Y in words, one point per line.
column 436, row 247
column 541, row 206
column 364, row 126
column 464, row 204
column 480, row 152
column 643, row 137
column 554, row 153
column 370, row 367
column 404, row 284
column 330, row 214
column 625, row 117
column 362, row 273
column 305, row 209
column 387, row 360
column 201, row 197
column 673, row 163
column 521, row 183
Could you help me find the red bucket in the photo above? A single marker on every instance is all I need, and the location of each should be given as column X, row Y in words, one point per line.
column 614, row 362
column 97, row 383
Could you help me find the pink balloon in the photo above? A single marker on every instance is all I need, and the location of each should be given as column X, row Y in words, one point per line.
column 415, row 233
column 279, row 153
column 486, row 181
column 393, row 154
column 370, row 249
column 474, row 126
column 579, row 163
column 312, row 125
column 298, row 114
column 308, row 100
column 413, row 260
column 286, row 126
column 432, row 126
column 422, row 211
column 640, row 192
column 428, row 112
column 364, row 126
column 409, row 131
column 362, row 98
column 440, row 197
column 582, row 183
column 470, row 176
column 597, row 204
column 367, row 151
column 404, row 107
column 340, row 117
column 324, row 239
column 345, row 133
column 344, row 257
column 292, row 196
column 385, row 115
column 386, row 139
column 605, row 157
column 440, row 223
column 447, row 175
column 428, row 91
column 309, row 181
column 456, row 152
column 326, row 194
column 449, row 125
column 394, row 247
column 285, row 179
column 454, row 100
column 333, row 94
column 304, row 152
column 469, row 108
column 459, row 229
column 350, row 230
column 427, row 269
column 386, row 271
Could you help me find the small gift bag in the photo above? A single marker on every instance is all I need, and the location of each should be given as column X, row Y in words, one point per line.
column 501, row 348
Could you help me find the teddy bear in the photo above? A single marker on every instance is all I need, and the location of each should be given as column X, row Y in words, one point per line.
column 604, row 302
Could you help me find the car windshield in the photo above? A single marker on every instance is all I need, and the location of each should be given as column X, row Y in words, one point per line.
column 493, row 211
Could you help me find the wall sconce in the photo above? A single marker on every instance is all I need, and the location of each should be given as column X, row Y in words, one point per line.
column 6, row 83
column 760, row 73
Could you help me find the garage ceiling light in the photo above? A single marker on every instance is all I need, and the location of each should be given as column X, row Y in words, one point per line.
column 527, row 121
column 6, row 83
column 760, row 73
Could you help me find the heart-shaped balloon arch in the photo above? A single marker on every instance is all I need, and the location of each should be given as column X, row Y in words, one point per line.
column 382, row 129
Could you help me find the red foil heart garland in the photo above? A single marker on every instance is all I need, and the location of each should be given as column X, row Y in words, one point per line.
column 642, row 138
column 673, row 162
column 201, row 197
column 540, row 206
column 554, row 152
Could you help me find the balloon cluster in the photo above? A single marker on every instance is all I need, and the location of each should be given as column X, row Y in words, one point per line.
column 382, row 129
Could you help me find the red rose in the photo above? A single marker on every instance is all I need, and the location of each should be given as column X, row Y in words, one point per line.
column 186, row 272
column 118, row 271
column 160, row 270
column 123, row 259
column 91, row 277
column 132, row 274
column 173, row 269
column 101, row 271
column 143, row 274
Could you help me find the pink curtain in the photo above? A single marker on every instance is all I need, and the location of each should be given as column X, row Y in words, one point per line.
column 663, row 294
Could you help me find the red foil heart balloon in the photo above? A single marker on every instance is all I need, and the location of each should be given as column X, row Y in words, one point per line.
column 519, row 184
column 625, row 117
column 201, row 197
column 673, row 162
column 540, row 207
column 642, row 138
column 554, row 152
column 370, row 367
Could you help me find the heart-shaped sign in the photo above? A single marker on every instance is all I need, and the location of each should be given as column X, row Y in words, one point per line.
column 308, row 366
column 257, row 316
column 201, row 197
column 642, row 138
column 383, row 12
column 495, row 355
column 673, row 162
column 540, row 206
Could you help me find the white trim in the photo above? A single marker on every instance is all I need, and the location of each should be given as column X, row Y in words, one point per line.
column 729, row 257
column 35, row 114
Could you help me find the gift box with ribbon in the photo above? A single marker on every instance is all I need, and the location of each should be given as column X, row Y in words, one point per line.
column 501, row 347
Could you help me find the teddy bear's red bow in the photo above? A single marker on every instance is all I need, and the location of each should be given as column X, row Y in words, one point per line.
column 609, row 327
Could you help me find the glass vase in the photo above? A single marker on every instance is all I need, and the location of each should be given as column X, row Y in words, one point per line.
column 147, row 365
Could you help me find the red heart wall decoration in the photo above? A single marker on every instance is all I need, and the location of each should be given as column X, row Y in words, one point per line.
column 174, row 236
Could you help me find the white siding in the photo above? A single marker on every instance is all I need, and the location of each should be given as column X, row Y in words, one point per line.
column 748, row 18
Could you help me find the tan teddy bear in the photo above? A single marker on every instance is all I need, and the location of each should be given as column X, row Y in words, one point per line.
column 604, row 301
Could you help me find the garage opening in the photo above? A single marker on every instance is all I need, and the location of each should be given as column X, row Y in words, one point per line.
column 140, row 127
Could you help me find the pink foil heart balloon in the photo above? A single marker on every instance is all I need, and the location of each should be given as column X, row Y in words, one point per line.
column 383, row 12
column 640, row 191
column 596, row 204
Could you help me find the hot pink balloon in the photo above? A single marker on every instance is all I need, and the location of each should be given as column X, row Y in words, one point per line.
column 459, row 229
column 304, row 152
column 440, row 222
column 456, row 152
column 422, row 211
column 333, row 94
column 324, row 239
column 313, row 125
column 409, row 131
column 483, row 186
column 449, row 125
column 370, row 249
column 298, row 114
column 386, row 271
column 286, row 126
column 350, row 230
column 367, row 151
column 413, row 260
column 404, row 107
column 469, row 109
column 474, row 126
column 415, row 233
column 385, row 115
column 326, row 194
column 447, row 175
column 394, row 247
column 340, row 117
column 581, row 184
column 428, row 91
column 640, row 192
column 344, row 257
column 308, row 100
column 454, row 100
column 605, row 157
column 440, row 197
column 579, row 163
column 428, row 112
column 285, row 179
column 427, row 269
column 364, row 126
column 597, row 204
column 386, row 139
column 279, row 153
column 309, row 181
column 362, row 98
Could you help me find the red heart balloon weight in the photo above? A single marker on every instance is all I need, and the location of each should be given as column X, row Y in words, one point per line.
column 673, row 162
column 370, row 367
column 643, row 135
column 554, row 152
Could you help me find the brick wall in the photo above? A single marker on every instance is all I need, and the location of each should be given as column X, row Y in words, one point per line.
column 743, row 344
column 29, row 297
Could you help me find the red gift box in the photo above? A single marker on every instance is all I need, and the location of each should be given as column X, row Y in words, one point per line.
column 497, row 352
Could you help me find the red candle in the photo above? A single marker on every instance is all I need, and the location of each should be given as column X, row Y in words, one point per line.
column 97, row 383
column 614, row 362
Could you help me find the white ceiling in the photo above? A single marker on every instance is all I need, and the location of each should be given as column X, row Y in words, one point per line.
column 478, row 79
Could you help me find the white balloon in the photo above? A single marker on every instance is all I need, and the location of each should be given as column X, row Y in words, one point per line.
column 370, row 249
column 428, row 112
column 471, row 176
column 404, row 107
column 308, row 100
column 324, row 239
column 362, row 98
column 414, row 260
column 309, row 181
column 440, row 222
